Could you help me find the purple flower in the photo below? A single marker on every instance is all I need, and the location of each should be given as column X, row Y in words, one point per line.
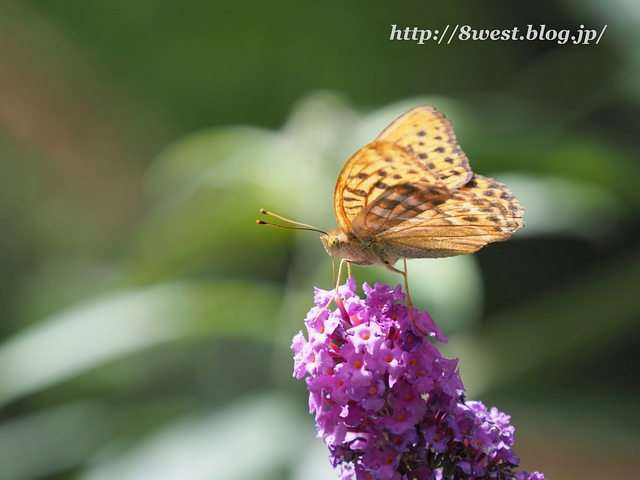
column 387, row 404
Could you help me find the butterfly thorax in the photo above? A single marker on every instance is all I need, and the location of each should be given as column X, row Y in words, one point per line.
column 360, row 251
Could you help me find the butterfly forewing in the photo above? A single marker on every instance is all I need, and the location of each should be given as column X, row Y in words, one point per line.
column 374, row 171
column 429, row 136
column 400, row 204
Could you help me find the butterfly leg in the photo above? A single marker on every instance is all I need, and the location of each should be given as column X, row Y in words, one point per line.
column 333, row 265
column 406, row 284
column 406, row 281
column 335, row 290
column 412, row 309
column 342, row 262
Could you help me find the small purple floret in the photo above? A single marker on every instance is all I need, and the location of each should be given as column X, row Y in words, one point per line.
column 388, row 405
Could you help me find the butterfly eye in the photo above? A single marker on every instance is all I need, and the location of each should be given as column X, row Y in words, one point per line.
column 331, row 244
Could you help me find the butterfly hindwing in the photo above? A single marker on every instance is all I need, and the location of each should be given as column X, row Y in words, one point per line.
column 430, row 222
column 490, row 189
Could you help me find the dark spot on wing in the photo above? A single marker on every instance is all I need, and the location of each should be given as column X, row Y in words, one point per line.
column 439, row 150
column 405, row 190
column 397, row 177
column 422, row 156
column 387, row 204
column 488, row 193
column 357, row 191
column 471, row 184
column 448, row 159
column 382, row 173
column 382, row 185
column 421, row 133
column 437, row 201
column 362, row 176
column 438, row 137
column 412, row 171
column 493, row 219
column 470, row 218
column 388, row 160
column 431, row 165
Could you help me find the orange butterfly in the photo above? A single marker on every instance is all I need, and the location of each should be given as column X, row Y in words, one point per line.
column 411, row 194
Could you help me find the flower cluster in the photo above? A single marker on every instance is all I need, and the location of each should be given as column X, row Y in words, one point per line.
column 387, row 404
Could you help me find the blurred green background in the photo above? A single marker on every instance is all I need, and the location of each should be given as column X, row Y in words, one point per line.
column 145, row 320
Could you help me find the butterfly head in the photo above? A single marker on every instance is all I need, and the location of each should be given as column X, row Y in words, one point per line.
column 331, row 242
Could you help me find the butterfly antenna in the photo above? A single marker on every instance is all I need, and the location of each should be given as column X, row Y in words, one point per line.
column 302, row 226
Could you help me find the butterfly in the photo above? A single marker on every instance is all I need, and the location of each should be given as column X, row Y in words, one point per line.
column 412, row 194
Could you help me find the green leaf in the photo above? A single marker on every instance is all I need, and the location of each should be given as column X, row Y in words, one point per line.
column 190, row 158
column 97, row 332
